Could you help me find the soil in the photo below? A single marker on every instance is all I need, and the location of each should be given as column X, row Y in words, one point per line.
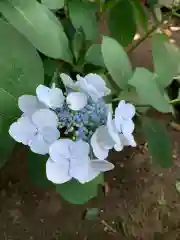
column 140, row 201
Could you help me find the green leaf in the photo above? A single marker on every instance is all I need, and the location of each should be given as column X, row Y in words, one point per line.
column 21, row 69
column 146, row 86
column 116, row 61
column 53, row 4
column 94, row 55
column 121, row 22
column 77, row 193
column 78, row 43
column 92, row 213
column 39, row 25
column 140, row 14
column 83, row 15
column 6, row 142
column 159, row 141
column 37, row 169
column 166, row 58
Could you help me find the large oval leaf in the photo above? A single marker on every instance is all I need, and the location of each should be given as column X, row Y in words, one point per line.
column 121, row 22
column 116, row 61
column 21, row 68
column 148, row 91
column 39, row 25
column 77, row 193
column 159, row 141
column 166, row 58
column 53, row 4
column 83, row 15
column 6, row 142
column 140, row 13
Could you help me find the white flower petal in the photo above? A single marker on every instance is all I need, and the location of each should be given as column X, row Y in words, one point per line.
column 57, row 172
column 45, row 118
column 128, row 140
column 118, row 147
column 29, row 104
column 87, row 88
column 50, row 134
column 56, row 98
column 82, row 172
column 39, row 145
column 118, row 119
column 126, row 110
column 67, row 81
column 113, row 131
column 127, row 126
column 98, row 83
column 60, row 149
column 76, row 100
column 98, row 149
column 22, row 130
column 51, row 97
column 79, row 150
column 43, row 94
column 105, row 138
column 101, row 165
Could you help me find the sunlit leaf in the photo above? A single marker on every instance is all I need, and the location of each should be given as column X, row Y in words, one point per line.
column 166, row 58
column 116, row 61
column 21, row 69
column 53, row 4
column 159, row 141
column 148, row 91
column 39, row 25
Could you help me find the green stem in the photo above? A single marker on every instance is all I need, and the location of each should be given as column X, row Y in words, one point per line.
column 174, row 101
column 149, row 32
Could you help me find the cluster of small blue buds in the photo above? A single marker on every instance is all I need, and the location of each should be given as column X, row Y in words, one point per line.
column 82, row 124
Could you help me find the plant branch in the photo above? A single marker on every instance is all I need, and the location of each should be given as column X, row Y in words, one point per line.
column 146, row 35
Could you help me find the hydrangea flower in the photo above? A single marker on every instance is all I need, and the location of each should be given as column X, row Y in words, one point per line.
column 91, row 84
column 70, row 159
column 46, row 98
column 37, row 132
column 86, row 121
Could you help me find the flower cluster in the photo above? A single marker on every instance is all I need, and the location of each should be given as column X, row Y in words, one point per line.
column 75, row 127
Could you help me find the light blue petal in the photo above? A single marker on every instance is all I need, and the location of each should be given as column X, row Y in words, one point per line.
column 45, row 118
column 29, row 104
column 60, row 149
column 39, row 145
column 23, row 130
column 57, row 172
column 76, row 100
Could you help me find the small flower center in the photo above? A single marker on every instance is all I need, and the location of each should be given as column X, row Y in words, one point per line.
column 82, row 124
